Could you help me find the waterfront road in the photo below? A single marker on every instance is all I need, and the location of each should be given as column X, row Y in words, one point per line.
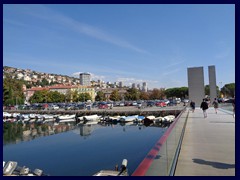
column 208, row 147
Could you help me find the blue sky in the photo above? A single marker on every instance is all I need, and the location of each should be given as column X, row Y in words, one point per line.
column 130, row 43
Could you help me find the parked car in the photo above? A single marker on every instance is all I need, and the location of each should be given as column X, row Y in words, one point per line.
column 121, row 104
column 172, row 102
column 150, row 103
column 178, row 100
column 53, row 107
column 166, row 101
column 161, row 104
column 103, row 106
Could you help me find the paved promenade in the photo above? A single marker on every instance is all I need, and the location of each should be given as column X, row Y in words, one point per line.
column 208, row 147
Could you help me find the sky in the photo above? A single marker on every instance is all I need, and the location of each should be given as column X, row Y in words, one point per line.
column 132, row 43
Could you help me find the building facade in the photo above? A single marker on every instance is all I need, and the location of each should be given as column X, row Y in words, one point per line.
column 85, row 79
column 144, row 87
column 61, row 89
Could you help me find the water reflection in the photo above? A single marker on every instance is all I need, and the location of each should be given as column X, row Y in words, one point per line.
column 15, row 132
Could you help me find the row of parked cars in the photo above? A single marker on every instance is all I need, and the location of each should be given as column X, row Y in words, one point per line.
column 100, row 105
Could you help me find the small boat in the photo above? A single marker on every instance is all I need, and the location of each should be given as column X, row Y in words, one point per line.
column 6, row 115
column 47, row 116
column 149, row 119
column 48, row 120
column 67, row 120
column 113, row 118
column 139, row 118
column 63, row 117
column 94, row 117
column 128, row 118
column 32, row 116
column 24, row 170
column 91, row 122
column 158, row 119
column 38, row 172
column 168, row 119
column 81, row 118
column 122, row 172
column 9, row 167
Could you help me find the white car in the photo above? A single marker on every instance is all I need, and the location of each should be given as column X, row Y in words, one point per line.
column 53, row 107
column 166, row 101
column 178, row 100
column 186, row 100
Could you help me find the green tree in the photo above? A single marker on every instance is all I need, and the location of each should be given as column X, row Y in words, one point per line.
column 207, row 90
column 44, row 82
column 157, row 94
column 100, row 96
column 115, row 96
column 75, row 96
column 84, row 97
column 68, row 95
column 12, row 91
column 176, row 92
column 55, row 96
column 144, row 96
column 132, row 94
column 228, row 90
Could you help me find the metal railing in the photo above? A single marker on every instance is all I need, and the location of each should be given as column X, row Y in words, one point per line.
column 162, row 159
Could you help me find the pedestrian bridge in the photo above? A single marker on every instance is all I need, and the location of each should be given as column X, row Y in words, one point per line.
column 194, row 146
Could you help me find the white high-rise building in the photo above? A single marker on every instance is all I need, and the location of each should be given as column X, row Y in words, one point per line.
column 85, row 79
column 144, row 87
column 120, row 84
column 138, row 87
column 133, row 85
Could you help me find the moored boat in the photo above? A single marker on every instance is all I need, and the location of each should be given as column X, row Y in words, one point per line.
column 122, row 172
column 63, row 117
column 94, row 117
column 9, row 167
column 128, row 118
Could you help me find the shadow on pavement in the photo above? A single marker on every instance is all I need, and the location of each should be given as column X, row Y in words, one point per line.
column 218, row 165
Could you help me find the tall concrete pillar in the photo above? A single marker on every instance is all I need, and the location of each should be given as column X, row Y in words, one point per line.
column 196, row 84
column 212, row 82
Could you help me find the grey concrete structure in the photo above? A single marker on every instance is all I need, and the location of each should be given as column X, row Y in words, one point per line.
column 212, row 82
column 196, row 85
column 85, row 79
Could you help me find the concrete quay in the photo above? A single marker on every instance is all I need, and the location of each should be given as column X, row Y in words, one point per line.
column 122, row 111
column 208, row 146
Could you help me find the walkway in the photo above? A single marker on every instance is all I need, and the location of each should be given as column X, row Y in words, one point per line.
column 208, row 147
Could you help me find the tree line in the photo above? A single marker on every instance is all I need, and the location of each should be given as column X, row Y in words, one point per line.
column 13, row 94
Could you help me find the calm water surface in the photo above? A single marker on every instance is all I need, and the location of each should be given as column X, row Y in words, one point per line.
column 84, row 150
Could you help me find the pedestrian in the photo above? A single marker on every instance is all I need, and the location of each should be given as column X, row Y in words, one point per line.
column 215, row 105
column 233, row 104
column 204, row 107
column 192, row 105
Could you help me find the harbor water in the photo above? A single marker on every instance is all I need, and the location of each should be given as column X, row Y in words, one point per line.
column 78, row 150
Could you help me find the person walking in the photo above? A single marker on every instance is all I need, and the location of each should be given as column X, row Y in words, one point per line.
column 192, row 105
column 233, row 104
column 215, row 105
column 204, row 107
